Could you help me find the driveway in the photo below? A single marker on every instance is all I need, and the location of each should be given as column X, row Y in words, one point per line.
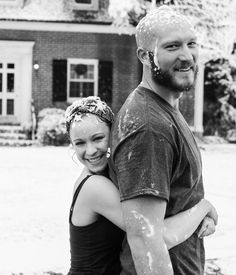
column 35, row 193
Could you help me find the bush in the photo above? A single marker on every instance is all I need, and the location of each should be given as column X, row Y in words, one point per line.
column 51, row 127
column 27, row 129
column 219, row 97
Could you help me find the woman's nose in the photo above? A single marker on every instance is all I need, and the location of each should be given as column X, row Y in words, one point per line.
column 90, row 149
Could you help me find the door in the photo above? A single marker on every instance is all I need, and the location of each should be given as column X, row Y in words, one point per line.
column 8, row 91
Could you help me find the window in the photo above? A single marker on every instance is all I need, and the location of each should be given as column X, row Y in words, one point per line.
column 10, row 107
column 82, row 78
column 85, row 4
column 14, row 3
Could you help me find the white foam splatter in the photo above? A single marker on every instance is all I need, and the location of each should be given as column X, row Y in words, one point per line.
column 150, row 260
column 147, row 226
column 129, row 155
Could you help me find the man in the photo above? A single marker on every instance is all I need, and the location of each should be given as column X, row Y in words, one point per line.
column 154, row 154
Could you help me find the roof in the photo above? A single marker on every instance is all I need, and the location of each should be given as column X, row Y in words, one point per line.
column 53, row 11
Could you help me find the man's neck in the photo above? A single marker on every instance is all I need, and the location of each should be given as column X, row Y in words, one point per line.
column 171, row 97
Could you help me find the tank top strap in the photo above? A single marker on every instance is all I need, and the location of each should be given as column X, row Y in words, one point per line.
column 79, row 187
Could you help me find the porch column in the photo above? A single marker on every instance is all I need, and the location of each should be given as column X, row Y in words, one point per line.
column 199, row 100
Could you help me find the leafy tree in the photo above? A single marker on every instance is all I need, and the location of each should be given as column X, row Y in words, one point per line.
column 215, row 20
column 219, row 97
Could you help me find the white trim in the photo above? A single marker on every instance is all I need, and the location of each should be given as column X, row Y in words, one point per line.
column 20, row 52
column 199, row 99
column 23, row 47
column 5, row 95
column 83, row 6
column 64, row 27
column 11, row 3
column 86, row 62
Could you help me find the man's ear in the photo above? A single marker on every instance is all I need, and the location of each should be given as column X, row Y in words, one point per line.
column 143, row 56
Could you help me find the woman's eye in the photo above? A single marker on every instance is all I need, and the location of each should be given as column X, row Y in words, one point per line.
column 98, row 138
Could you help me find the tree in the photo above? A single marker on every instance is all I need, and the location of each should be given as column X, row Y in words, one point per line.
column 220, row 97
column 215, row 20
column 215, row 23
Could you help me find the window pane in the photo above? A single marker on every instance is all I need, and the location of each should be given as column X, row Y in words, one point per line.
column 81, row 89
column 10, row 65
column 10, row 83
column 78, row 71
column 83, row 1
column 88, row 89
column 0, row 65
column 0, row 106
column 90, row 73
column 0, row 83
column 10, row 107
column 81, row 71
column 73, row 74
column 76, row 89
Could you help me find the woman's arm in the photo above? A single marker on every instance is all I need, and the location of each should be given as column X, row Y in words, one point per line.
column 105, row 200
column 181, row 226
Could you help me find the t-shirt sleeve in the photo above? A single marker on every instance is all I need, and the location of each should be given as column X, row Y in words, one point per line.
column 143, row 163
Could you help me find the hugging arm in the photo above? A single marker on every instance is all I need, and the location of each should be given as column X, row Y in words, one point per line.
column 105, row 200
column 181, row 226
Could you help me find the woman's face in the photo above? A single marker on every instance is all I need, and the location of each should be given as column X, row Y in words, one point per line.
column 90, row 136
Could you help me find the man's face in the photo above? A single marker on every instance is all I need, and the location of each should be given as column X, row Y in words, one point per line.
column 174, row 61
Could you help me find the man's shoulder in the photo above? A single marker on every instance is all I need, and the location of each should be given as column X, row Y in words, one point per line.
column 141, row 111
column 136, row 100
column 131, row 115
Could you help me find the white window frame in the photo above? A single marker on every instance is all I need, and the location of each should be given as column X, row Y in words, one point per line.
column 11, row 3
column 84, row 61
column 80, row 6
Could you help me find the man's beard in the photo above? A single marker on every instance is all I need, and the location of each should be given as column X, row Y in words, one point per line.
column 164, row 78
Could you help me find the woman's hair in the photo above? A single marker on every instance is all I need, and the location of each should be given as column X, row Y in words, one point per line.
column 89, row 105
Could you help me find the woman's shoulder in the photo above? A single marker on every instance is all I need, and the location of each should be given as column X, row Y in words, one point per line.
column 98, row 183
column 99, row 189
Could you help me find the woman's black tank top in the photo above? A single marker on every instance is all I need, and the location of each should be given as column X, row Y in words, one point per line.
column 95, row 248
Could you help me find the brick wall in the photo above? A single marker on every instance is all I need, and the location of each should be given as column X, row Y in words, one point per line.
column 120, row 49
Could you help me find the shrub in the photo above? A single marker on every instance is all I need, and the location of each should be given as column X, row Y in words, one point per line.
column 27, row 129
column 51, row 127
column 219, row 97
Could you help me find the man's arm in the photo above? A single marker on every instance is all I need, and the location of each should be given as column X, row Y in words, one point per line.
column 143, row 218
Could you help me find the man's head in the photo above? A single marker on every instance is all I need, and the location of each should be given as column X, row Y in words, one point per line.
column 166, row 43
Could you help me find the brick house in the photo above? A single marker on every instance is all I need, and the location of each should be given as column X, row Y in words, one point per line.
column 53, row 52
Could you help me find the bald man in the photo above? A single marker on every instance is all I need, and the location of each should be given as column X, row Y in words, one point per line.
column 154, row 154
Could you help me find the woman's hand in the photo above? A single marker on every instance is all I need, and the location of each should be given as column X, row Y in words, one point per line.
column 208, row 227
column 212, row 213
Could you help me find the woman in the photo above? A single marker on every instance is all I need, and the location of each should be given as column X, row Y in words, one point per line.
column 96, row 223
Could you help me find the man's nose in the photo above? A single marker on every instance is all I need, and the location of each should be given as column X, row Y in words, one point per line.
column 186, row 54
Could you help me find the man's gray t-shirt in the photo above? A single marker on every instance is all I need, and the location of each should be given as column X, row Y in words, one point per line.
column 154, row 153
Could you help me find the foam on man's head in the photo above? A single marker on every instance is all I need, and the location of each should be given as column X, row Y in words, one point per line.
column 156, row 21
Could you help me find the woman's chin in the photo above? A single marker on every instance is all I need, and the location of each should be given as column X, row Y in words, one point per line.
column 99, row 169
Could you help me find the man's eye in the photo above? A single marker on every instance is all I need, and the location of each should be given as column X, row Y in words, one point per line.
column 193, row 44
column 172, row 47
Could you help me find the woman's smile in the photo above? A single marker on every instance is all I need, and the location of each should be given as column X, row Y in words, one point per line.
column 94, row 160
